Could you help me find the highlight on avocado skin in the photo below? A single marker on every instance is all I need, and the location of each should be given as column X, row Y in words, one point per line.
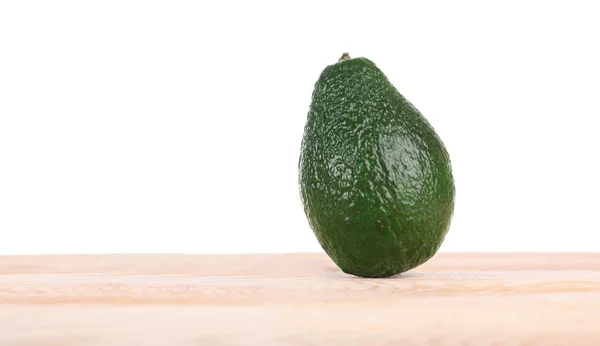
column 375, row 178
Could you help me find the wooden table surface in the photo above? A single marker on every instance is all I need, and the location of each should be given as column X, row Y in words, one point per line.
column 298, row 299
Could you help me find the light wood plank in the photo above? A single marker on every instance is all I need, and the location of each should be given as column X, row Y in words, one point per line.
column 298, row 299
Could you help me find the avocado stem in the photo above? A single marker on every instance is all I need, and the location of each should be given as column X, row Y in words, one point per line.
column 345, row 57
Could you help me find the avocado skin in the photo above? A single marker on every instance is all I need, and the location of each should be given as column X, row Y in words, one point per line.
column 375, row 179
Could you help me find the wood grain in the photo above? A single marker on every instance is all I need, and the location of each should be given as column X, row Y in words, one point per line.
column 298, row 299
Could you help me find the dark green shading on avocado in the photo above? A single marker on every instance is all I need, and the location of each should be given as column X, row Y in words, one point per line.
column 375, row 179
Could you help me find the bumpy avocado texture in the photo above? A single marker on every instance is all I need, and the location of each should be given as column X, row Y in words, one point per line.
column 375, row 179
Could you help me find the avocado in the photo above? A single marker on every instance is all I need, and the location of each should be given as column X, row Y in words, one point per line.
column 375, row 178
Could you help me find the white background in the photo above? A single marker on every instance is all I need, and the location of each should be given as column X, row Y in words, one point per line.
column 174, row 126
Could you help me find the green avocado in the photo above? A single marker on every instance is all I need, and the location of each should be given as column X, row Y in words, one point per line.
column 375, row 179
